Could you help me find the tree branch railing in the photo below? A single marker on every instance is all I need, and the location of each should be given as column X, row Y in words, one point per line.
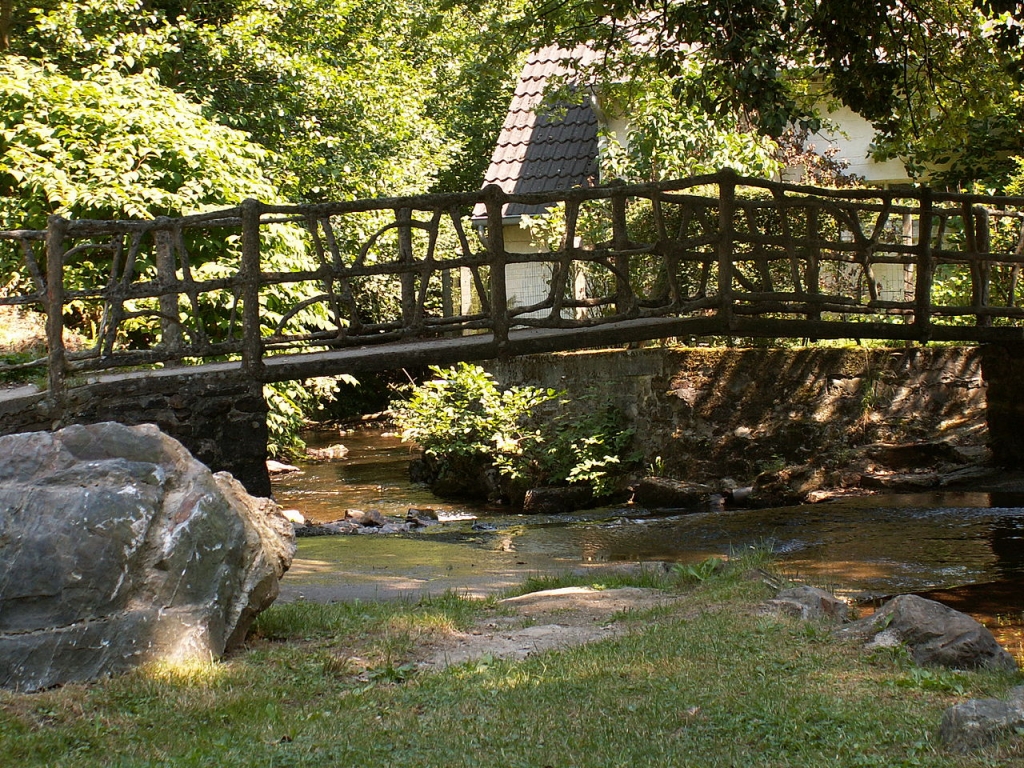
column 721, row 254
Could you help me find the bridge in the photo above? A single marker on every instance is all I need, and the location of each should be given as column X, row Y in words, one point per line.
column 232, row 299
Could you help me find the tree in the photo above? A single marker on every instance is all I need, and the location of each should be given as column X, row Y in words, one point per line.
column 665, row 142
column 359, row 99
column 108, row 145
column 940, row 79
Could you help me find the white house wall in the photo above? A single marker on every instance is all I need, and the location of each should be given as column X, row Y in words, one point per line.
column 525, row 284
column 853, row 138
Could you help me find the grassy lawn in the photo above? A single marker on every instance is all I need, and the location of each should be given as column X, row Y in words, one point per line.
column 709, row 682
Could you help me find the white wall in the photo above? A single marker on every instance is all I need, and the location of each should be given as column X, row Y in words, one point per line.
column 853, row 138
column 525, row 284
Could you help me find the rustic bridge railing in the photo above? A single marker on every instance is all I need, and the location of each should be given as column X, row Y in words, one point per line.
column 713, row 255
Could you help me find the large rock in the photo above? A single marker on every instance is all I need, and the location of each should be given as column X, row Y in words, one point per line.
column 557, row 501
column 666, row 493
column 935, row 635
column 118, row 548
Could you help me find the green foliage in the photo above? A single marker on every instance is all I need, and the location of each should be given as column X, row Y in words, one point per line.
column 586, row 443
column 944, row 680
column 462, row 414
column 291, row 404
column 698, row 572
column 114, row 146
column 358, row 98
column 939, row 80
column 666, row 139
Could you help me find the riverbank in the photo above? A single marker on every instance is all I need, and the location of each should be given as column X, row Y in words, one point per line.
column 703, row 678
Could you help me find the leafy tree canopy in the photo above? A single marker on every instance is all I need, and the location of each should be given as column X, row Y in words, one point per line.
column 109, row 145
column 940, row 79
column 357, row 97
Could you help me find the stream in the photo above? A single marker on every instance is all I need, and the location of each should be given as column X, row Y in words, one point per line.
column 964, row 549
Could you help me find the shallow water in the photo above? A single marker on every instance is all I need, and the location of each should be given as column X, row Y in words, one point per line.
column 969, row 545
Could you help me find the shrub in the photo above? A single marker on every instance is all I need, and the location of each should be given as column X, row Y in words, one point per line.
column 461, row 418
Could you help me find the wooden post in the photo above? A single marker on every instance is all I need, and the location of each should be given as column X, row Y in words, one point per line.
column 56, row 231
column 983, row 242
column 726, row 208
column 166, row 270
column 925, row 269
column 625, row 299
column 495, row 201
column 813, row 279
column 403, row 217
column 447, row 303
column 252, row 344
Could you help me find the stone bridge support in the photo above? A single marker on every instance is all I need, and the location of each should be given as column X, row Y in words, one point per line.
column 689, row 407
column 221, row 419
column 1002, row 367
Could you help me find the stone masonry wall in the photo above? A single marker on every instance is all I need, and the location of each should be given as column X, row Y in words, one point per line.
column 222, row 421
column 706, row 413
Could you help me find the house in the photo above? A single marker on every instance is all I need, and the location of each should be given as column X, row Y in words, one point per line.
column 537, row 152
column 540, row 151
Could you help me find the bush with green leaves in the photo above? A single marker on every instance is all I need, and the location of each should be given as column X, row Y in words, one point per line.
column 532, row 436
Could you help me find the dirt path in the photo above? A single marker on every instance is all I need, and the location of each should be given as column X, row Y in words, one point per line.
column 544, row 621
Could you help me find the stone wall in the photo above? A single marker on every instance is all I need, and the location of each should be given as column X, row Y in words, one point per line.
column 222, row 420
column 698, row 413
column 712, row 412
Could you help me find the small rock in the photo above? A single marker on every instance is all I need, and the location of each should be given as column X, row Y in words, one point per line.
column 370, row 517
column 277, row 468
column 982, row 722
column 392, row 527
column 330, row 453
column 340, row 527
column 908, row 456
column 792, row 483
column 809, row 603
column 294, row 516
column 421, row 514
column 740, row 496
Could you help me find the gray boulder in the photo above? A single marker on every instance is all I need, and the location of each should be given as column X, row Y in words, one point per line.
column 935, row 634
column 119, row 548
column 982, row 722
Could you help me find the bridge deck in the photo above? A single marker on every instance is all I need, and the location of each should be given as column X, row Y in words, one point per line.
column 524, row 341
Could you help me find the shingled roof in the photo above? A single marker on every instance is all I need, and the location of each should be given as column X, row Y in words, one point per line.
column 537, row 151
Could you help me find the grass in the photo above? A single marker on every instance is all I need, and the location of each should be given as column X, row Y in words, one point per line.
column 714, row 683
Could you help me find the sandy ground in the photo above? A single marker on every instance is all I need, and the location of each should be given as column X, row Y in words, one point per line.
column 544, row 621
column 344, row 569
